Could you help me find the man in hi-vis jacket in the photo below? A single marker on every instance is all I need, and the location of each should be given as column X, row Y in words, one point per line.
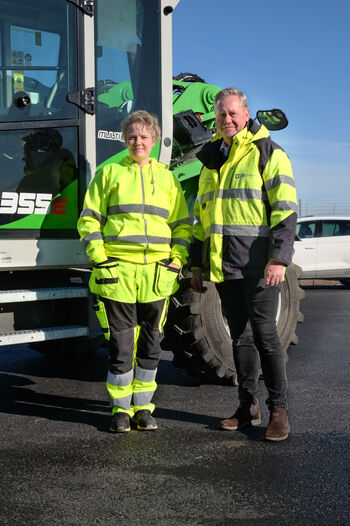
column 245, row 218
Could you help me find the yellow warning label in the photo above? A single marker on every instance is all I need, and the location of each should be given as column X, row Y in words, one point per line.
column 18, row 77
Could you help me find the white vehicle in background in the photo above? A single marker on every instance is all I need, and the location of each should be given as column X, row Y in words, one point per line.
column 323, row 248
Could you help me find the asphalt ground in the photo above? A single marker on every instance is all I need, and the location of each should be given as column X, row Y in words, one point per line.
column 59, row 465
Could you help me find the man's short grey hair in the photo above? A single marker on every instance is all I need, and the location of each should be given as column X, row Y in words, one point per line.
column 230, row 91
column 145, row 119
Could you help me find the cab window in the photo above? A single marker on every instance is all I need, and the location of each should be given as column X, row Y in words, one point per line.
column 37, row 61
column 127, row 68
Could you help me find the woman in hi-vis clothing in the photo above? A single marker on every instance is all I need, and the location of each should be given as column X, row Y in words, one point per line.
column 136, row 228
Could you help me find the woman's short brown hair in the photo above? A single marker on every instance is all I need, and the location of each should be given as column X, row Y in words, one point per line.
column 145, row 119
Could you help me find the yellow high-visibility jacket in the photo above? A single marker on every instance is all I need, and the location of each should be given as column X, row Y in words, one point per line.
column 135, row 214
column 245, row 212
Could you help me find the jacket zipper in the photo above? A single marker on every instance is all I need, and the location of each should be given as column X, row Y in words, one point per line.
column 143, row 216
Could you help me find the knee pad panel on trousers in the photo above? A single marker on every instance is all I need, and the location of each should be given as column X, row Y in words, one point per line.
column 121, row 347
column 148, row 348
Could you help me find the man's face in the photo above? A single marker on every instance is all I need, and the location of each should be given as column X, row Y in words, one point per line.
column 139, row 142
column 231, row 117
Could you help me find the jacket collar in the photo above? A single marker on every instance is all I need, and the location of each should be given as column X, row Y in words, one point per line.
column 211, row 155
column 128, row 162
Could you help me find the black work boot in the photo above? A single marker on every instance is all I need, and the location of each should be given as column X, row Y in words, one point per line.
column 120, row 423
column 278, row 428
column 144, row 420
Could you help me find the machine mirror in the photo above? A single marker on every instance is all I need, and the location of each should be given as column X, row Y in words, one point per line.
column 273, row 119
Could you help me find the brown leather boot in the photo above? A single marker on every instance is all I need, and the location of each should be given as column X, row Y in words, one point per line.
column 278, row 427
column 245, row 415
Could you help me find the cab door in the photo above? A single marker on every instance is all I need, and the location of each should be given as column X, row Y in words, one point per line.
column 133, row 71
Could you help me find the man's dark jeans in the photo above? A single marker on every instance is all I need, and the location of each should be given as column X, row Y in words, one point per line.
column 251, row 310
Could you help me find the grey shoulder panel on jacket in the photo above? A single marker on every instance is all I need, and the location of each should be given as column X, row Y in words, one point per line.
column 266, row 147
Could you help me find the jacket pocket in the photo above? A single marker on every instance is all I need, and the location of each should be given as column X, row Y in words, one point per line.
column 166, row 280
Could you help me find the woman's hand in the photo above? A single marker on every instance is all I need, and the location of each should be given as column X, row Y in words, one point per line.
column 173, row 265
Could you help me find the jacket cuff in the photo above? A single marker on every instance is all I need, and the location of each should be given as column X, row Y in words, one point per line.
column 99, row 259
column 279, row 261
column 177, row 261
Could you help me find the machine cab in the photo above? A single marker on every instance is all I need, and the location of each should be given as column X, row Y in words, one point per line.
column 70, row 71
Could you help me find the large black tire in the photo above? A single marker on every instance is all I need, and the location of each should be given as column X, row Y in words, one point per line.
column 197, row 333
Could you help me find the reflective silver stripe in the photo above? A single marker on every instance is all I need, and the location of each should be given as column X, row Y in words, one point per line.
column 138, row 239
column 94, row 236
column 241, row 230
column 284, row 205
column 277, row 180
column 135, row 208
column 143, row 398
column 179, row 241
column 174, row 224
column 145, row 375
column 242, row 193
column 124, row 403
column 89, row 212
column 121, row 380
column 208, row 196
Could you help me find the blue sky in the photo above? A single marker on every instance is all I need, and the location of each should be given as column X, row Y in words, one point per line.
column 288, row 54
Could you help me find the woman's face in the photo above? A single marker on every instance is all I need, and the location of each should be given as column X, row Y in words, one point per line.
column 139, row 141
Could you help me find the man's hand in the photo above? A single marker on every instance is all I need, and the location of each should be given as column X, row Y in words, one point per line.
column 273, row 273
column 173, row 265
column 197, row 281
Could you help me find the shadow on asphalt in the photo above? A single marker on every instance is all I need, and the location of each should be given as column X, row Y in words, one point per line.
column 210, row 422
column 185, row 416
column 92, row 368
column 22, row 394
column 18, row 398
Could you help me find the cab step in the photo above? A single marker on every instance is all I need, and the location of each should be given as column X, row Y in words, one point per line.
column 45, row 334
column 41, row 294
